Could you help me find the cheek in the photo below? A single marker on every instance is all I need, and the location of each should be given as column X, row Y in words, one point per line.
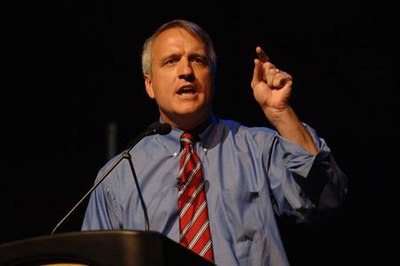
column 208, row 87
column 161, row 95
column 163, row 86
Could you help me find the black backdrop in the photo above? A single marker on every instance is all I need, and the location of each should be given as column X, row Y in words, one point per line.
column 74, row 70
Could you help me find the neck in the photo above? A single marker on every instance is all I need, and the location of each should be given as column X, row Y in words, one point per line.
column 189, row 124
column 201, row 127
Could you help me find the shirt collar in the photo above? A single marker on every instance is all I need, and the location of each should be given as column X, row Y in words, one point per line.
column 205, row 132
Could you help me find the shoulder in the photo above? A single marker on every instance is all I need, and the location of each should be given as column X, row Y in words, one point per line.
column 238, row 129
column 231, row 131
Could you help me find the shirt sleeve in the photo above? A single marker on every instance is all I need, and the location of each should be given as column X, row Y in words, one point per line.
column 305, row 187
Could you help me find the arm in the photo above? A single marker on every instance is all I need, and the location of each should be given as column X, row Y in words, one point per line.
column 323, row 182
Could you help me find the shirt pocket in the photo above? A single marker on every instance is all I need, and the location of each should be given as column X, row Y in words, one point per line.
column 241, row 209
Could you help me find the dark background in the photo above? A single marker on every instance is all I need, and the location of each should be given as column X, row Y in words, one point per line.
column 74, row 70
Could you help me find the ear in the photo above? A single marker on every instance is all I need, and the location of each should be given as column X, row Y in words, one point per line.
column 149, row 86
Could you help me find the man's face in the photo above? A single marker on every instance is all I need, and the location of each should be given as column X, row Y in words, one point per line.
column 181, row 80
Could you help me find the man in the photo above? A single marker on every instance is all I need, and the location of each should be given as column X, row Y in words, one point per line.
column 250, row 175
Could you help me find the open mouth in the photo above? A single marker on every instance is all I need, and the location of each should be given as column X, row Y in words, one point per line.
column 187, row 90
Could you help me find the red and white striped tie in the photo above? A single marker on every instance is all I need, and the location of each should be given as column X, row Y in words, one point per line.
column 194, row 226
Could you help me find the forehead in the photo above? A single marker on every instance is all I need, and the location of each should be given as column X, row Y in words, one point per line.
column 177, row 38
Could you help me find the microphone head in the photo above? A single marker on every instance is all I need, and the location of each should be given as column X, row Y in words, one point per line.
column 159, row 128
column 152, row 129
column 164, row 129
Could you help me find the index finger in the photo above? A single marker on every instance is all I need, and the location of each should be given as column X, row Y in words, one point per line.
column 262, row 56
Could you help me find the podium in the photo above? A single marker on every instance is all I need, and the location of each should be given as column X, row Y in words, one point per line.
column 99, row 248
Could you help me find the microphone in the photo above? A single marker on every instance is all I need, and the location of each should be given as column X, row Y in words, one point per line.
column 152, row 129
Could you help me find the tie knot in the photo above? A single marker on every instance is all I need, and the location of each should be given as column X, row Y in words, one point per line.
column 188, row 138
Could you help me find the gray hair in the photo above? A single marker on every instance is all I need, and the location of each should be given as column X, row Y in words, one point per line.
column 194, row 29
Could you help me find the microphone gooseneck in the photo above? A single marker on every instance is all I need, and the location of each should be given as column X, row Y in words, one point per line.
column 152, row 129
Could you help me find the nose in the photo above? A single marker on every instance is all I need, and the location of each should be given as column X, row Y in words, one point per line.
column 186, row 71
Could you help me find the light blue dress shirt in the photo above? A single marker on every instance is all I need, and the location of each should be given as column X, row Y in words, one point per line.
column 251, row 175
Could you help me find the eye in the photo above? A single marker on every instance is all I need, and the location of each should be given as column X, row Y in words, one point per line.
column 201, row 60
column 171, row 61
